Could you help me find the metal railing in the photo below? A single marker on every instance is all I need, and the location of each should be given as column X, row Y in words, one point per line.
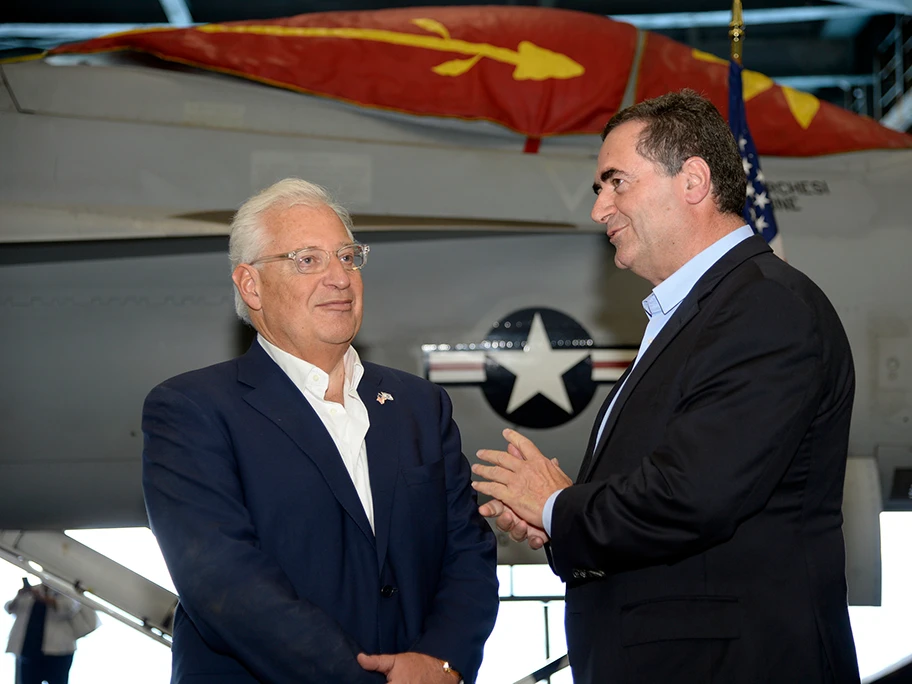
column 892, row 99
column 544, row 673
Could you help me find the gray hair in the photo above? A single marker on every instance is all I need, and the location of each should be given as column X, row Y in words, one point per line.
column 248, row 232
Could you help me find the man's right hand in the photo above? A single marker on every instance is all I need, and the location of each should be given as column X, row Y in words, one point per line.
column 507, row 521
column 407, row 668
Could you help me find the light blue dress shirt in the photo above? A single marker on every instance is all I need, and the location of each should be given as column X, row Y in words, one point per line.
column 659, row 307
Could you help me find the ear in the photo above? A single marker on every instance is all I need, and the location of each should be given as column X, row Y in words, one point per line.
column 247, row 281
column 697, row 180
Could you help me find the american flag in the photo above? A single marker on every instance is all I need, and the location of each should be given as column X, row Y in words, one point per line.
column 758, row 207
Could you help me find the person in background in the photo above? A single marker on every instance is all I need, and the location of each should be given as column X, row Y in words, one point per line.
column 315, row 511
column 702, row 540
column 42, row 637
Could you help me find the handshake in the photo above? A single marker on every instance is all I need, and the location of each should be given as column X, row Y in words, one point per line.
column 519, row 481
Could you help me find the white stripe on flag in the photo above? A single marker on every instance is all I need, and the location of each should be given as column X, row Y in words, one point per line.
column 454, row 367
column 608, row 365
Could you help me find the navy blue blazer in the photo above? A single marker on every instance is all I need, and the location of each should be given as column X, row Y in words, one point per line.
column 280, row 577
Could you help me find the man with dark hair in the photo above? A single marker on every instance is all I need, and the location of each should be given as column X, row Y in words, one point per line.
column 702, row 540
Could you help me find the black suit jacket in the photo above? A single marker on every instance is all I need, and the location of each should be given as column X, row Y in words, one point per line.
column 280, row 577
column 703, row 540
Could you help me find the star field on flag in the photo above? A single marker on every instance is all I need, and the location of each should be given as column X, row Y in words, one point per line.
column 758, row 207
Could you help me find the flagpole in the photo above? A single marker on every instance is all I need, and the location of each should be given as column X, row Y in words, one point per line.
column 758, row 207
column 736, row 32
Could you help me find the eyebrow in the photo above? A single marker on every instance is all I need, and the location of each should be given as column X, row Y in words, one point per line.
column 340, row 246
column 604, row 177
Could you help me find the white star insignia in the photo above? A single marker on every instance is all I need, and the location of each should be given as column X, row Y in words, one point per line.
column 750, row 192
column 760, row 176
column 539, row 368
column 761, row 224
column 761, row 200
column 742, row 143
column 747, row 165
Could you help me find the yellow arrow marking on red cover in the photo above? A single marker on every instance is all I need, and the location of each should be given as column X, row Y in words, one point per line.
column 803, row 106
column 533, row 63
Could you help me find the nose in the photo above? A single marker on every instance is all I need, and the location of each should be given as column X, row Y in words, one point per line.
column 336, row 275
column 603, row 208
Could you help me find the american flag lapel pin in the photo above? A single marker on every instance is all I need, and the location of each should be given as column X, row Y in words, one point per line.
column 383, row 397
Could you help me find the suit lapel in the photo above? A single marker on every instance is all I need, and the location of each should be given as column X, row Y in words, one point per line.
column 688, row 308
column 275, row 396
column 664, row 338
column 590, row 448
column 382, row 450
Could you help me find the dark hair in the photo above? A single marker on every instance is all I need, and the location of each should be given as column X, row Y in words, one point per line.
column 682, row 125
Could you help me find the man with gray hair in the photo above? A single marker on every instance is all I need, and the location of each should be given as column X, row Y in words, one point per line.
column 315, row 511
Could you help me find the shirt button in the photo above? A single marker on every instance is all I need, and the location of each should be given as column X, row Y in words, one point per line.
column 316, row 378
column 387, row 590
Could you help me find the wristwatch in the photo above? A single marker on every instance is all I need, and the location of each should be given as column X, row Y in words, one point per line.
column 450, row 671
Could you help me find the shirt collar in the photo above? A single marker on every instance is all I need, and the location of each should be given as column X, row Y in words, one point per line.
column 307, row 376
column 670, row 292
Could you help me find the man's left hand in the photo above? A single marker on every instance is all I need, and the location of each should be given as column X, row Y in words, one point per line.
column 523, row 479
column 518, row 529
column 407, row 668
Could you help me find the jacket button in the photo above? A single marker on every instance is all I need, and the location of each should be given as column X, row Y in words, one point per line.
column 387, row 590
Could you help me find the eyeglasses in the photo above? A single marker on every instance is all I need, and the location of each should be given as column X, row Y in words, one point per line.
column 311, row 261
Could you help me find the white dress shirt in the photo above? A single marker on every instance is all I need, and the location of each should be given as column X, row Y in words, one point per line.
column 346, row 423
